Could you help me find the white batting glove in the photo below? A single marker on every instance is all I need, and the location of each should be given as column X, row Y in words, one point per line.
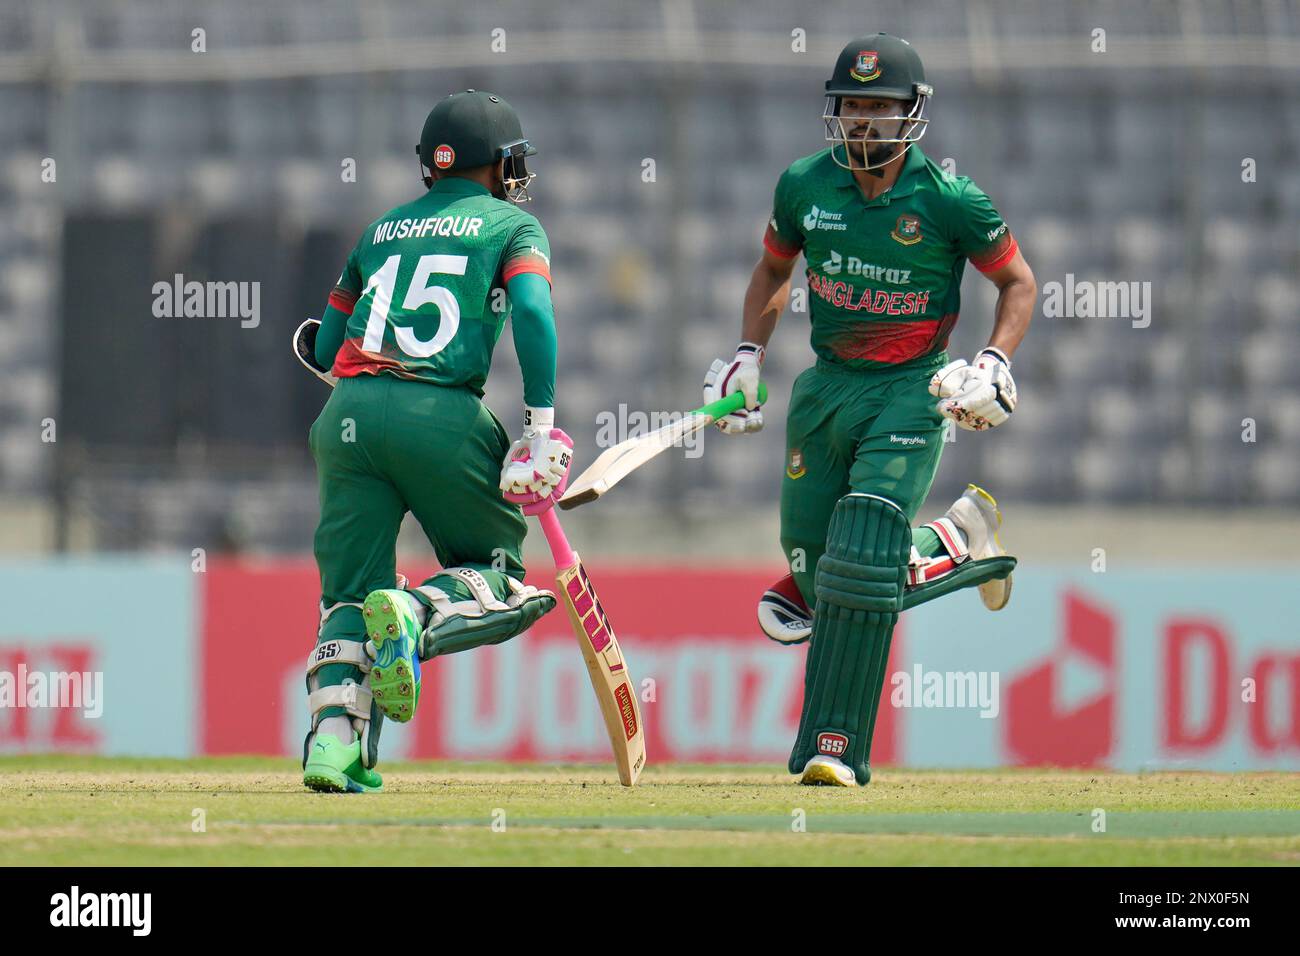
column 741, row 374
column 976, row 396
column 536, row 463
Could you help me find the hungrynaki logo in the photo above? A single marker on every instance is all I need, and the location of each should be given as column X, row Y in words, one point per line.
column 832, row 744
column 867, row 66
column 444, row 156
column 623, row 694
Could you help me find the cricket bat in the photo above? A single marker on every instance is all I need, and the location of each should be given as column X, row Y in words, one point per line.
column 606, row 666
column 615, row 464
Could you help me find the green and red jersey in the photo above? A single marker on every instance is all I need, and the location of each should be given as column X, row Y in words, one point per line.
column 884, row 275
column 420, row 287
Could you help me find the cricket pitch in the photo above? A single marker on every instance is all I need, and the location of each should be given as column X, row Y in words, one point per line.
column 67, row 810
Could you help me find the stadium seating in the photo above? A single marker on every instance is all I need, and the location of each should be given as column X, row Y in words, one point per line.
column 1099, row 175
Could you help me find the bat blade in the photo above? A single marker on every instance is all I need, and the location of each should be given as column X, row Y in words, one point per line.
column 615, row 464
column 607, row 668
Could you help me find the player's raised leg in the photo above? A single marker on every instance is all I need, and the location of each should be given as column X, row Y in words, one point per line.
column 964, row 536
column 450, row 477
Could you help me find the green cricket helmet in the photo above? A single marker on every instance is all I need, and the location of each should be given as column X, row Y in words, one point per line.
column 876, row 67
column 474, row 128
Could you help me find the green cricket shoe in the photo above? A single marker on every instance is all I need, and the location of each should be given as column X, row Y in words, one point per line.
column 335, row 767
column 394, row 630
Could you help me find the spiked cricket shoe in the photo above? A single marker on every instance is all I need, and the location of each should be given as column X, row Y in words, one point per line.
column 827, row 772
column 335, row 767
column 976, row 514
column 394, row 633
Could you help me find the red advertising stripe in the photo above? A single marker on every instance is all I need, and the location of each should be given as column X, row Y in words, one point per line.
column 259, row 620
column 720, row 689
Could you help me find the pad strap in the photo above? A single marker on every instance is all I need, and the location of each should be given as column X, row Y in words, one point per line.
column 953, row 541
column 325, row 612
column 339, row 652
column 455, row 626
column 922, row 568
column 353, row 698
column 483, row 600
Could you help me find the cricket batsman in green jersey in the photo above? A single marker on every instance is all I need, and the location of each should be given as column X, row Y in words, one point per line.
column 885, row 234
column 408, row 337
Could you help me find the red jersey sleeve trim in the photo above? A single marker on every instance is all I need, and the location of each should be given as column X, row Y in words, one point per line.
column 778, row 248
column 343, row 300
column 1006, row 256
column 519, row 266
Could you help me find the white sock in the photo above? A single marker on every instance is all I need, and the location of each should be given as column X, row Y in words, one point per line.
column 340, row 727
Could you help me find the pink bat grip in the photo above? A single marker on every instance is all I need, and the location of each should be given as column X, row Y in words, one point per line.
column 560, row 550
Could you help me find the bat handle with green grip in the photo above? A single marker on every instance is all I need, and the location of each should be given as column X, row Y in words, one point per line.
column 731, row 403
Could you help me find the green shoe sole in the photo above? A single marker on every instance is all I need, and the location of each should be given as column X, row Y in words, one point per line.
column 324, row 779
column 395, row 673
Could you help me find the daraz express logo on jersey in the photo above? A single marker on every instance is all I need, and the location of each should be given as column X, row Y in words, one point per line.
column 821, row 219
column 866, row 67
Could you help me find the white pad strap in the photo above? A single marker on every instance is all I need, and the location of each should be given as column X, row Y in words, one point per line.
column 479, row 587
column 325, row 613
column 339, row 652
column 522, row 593
column 353, row 698
column 483, row 600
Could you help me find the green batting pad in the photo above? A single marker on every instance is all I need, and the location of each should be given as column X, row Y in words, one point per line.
column 458, row 634
column 966, row 575
column 859, row 585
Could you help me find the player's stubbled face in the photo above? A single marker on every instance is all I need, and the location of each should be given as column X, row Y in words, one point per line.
column 857, row 117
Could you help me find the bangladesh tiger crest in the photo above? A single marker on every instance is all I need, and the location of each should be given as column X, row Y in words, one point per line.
column 795, row 468
column 907, row 230
column 867, row 67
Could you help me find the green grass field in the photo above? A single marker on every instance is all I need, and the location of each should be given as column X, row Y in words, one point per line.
column 102, row 811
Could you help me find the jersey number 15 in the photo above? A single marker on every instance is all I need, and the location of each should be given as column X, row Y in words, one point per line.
column 384, row 282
